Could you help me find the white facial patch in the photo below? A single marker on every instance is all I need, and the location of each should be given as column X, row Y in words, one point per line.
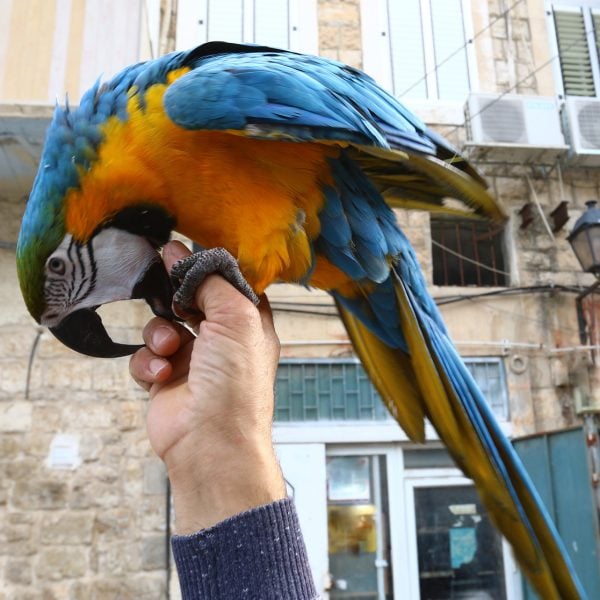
column 104, row 270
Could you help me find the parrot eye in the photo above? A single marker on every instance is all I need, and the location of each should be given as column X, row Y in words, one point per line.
column 57, row 265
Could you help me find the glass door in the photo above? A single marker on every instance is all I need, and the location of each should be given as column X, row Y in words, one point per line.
column 460, row 554
column 358, row 528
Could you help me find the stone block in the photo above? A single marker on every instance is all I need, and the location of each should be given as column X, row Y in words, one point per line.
column 90, row 447
column 92, row 414
column 67, row 374
column 350, row 39
column 113, row 524
column 67, row 528
column 23, row 467
column 154, row 552
column 110, row 375
column 46, row 416
column 39, row 494
column 351, row 57
column 504, row 76
column 520, row 29
column 69, row 563
column 130, row 415
column 18, row 571
column 329, row 38
column 498, row 29
column 15, row 416
column 10, row 445
column 16, row 342
column 116, row 558
column 339, row 13
column 512, row 188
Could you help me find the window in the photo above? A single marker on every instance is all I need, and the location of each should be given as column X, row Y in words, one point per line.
column 340, row 390
column 489, row 374
column 418, row 48
column 577, row 28
column 467, row 252
column 288, row 24
column 326, row 391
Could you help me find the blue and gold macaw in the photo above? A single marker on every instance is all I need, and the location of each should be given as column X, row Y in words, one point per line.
column 293, row 164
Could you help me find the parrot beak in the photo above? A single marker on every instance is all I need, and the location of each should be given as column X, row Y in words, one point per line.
column 83, row 330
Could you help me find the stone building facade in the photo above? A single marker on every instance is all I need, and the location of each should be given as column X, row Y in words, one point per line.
column 84, row 510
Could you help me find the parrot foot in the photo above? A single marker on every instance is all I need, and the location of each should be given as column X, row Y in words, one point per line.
column 188, row 273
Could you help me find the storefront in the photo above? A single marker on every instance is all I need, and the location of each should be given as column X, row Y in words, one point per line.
column 382, row 517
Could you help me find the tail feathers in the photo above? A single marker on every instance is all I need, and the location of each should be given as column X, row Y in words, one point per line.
column 458, row 411
column 391, row 372
column 425, row 182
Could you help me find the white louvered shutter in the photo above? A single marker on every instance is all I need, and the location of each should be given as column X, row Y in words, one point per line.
column 450, row 54
column 417, row 48
column 287, row 24
column 407, row 48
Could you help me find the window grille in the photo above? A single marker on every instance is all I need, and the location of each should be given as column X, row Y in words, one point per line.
column 340, row 390
column 326, row 391
column 467, row 252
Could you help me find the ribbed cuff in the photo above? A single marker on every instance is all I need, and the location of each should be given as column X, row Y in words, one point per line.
column 259, row 554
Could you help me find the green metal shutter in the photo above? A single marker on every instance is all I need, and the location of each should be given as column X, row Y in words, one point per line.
column 573, row 49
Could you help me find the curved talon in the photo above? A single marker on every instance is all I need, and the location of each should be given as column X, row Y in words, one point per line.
column 188, row 273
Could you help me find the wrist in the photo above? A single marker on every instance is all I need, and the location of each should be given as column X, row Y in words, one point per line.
column 217, row 481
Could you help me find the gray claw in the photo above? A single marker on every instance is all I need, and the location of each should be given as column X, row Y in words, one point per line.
column 188, row 273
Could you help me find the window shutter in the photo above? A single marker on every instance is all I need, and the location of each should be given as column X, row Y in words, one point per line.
column 272, row 23
column 226, row 20
column 450, row 53
column 573, row 49
column 406, row 47
column 596, row 24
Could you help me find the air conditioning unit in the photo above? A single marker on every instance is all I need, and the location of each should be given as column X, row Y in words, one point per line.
column 514, row 128
column 583, row 123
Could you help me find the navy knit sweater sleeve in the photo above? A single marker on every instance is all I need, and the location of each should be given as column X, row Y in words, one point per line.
column 256, row 555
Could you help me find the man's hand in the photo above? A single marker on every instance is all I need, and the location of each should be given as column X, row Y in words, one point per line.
column 211, row 403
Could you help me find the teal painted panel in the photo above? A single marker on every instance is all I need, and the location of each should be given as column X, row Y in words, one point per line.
column 558, row 465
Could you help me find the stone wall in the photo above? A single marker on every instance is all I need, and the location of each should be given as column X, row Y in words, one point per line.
column 98, row 530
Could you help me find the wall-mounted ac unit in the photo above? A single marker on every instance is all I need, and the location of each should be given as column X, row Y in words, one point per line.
column 583, row 123
column 514, row 128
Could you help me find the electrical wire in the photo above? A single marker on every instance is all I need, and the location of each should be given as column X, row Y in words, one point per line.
column 453, row 54
column 285, row 307
column 521, row 81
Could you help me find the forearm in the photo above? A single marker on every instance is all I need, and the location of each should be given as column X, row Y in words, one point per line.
column 256, row 554
column 224, row 479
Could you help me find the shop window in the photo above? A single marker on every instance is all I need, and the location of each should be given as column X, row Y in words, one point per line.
column 467, row 252
column 577, row 30
column 418, row 48
column 358, row 528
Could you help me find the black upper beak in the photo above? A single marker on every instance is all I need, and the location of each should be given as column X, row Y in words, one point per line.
column 84, row 332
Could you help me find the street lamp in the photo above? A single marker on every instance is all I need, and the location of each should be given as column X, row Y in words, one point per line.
column 585, row 239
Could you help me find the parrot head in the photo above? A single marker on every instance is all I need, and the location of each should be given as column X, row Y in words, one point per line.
column 64, row 279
